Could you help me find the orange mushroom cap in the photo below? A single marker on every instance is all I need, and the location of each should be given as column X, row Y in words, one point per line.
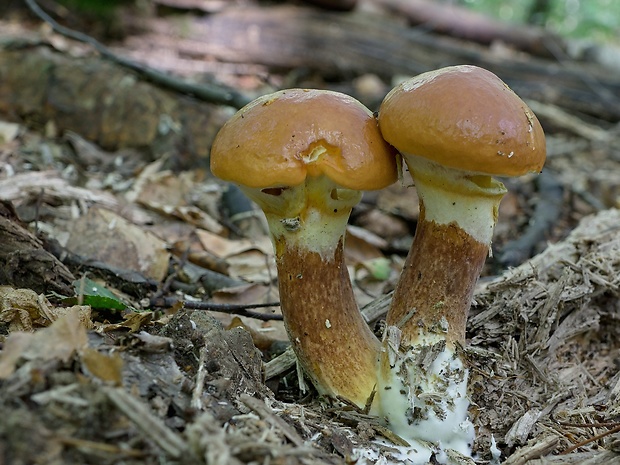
column 466, row 118
column 279, row 139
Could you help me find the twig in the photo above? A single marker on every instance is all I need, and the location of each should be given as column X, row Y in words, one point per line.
column 534, row 450
column 217, row 94
column 608, row 424
column 547, row 212
column 151, row 426
column 280, row 364
column 263, row 411
column 196, row 402
column 589, row 440
column 101, row 447
column 237, row 309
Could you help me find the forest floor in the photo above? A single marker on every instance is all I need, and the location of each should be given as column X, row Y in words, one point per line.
column 139, row 318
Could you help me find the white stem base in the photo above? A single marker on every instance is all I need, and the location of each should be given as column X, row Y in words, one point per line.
column 467, row 199
column 422, row 395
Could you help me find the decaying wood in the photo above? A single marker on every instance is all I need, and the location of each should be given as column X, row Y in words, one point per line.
column 24, row 263
column 548, row 317
column 338, row 45
column 104, row 103
column 457, row 21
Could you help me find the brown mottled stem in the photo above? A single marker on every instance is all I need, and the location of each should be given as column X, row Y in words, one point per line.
column 319, row 312
column 437, row 282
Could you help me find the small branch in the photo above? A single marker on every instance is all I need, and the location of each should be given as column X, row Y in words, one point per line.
column 152, row 427
column 263, row 411
column 609, row 424
column 217, row 94
column 237, row 309
column 196, row 401
column 280, row 364
column 546, row 214
column 589, row 440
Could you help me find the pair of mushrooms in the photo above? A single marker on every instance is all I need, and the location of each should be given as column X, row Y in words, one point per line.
column 304, row 156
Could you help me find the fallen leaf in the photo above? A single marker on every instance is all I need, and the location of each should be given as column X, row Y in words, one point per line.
column 24, row 309
column 133, row 322
column 103, row 235
column 362, row 245
column 245, row 294
column 12, row 350
column 252, row 266
column 61, row 340
column 108, row 368
column 19, row 308
column 189, row 214
column 223, row 248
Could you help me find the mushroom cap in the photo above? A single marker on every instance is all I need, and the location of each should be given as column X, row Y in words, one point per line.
column 279, row 139
column 466, row 118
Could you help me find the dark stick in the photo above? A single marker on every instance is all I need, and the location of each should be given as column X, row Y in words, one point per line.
column 210, row 93
column 237, row 309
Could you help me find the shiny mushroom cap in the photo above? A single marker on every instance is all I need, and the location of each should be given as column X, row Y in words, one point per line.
column 279, row 139
column 466, row 118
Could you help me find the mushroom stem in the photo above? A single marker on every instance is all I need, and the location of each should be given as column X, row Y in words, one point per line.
column 458, row 212
column 327, row 326
column 422, row 387
column 307, row 224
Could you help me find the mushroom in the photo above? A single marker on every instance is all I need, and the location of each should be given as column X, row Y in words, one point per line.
column 304, row 156
column 455, row 127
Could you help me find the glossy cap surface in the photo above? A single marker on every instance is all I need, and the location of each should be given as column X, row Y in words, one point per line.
column 466, row 118
column 279, row 139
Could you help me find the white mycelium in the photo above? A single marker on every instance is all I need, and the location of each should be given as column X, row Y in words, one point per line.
column 422, row 397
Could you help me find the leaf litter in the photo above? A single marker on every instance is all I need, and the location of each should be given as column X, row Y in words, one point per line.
column 181, row 386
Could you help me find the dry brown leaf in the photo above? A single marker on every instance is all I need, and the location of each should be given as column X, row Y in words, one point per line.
column 249, row 260
column 19, row 308
column 262, row 340
column 384, row 225
column 108, row 368
column 61, row 340
column 400, row 199
column 361, row 246
column 253, row 266
column 189, row 214
column 15, row 345
column 133, row 322
column 223, row 248
column 246, row 294
column 162, row 187
column 24, row 309
column 105, row 236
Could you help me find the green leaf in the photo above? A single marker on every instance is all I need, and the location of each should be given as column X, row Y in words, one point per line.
column 379, row 268
column 96, row 295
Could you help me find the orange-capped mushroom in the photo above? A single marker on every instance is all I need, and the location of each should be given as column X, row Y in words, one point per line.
column 455, row 128
column 304, row 156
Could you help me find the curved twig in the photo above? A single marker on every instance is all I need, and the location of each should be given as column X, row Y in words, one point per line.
column 217, row 94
